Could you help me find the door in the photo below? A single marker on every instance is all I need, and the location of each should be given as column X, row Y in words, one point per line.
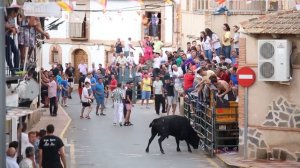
column 79, row 55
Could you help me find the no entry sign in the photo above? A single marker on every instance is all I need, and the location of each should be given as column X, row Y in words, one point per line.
column 246, row 76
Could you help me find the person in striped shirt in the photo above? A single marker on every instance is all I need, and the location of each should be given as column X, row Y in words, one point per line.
column 118, row 95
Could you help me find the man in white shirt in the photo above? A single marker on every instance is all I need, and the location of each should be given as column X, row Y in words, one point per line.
column 130, row 63
column 10, row 158
column 127, row 47
column 82, row 67
column 121, row 60
column 159, row 95
column 156, row 64
column 28, row 161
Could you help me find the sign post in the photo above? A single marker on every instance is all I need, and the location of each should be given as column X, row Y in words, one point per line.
column 246, row 78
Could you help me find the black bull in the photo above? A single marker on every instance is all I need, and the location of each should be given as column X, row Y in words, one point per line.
column 176, row 126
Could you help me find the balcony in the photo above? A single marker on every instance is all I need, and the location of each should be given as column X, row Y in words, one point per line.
column 77, row 31
column 240, row 6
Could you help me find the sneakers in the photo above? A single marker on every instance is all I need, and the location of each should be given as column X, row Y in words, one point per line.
column 102, row 114
column 97, row 114
column 120, row 124
column 130, row 76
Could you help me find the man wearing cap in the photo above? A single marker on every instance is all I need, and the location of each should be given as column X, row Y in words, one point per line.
column 99, row 96
column 223, row 74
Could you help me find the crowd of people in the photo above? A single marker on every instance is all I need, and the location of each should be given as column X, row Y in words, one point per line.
column 37, row 149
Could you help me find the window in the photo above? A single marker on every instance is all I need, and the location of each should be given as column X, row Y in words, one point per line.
column 55, row 55
column 187, row 5
column 77, row 25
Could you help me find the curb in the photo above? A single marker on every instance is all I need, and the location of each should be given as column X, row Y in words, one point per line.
column 230, row 164
column 68, row 123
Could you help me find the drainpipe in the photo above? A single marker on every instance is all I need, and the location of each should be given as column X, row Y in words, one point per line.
column 2, row 89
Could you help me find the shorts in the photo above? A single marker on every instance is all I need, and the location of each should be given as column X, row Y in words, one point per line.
column 86, row 104
column 128, row 106
column 126, row 53
column 80, row 91
column 171, row 100
column 64, row 93
column 100, row 101
column 146, row 95
column 71, row 84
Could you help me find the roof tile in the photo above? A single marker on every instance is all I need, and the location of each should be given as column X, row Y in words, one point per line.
column 283, row 22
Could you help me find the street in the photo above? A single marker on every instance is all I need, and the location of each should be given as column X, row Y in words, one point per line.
column 97, row 143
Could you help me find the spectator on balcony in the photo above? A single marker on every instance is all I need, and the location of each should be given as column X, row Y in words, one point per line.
column 154, row 24
column 127, row 47
column 215, row 41
column 121, row 62
column 119, row 46
column 29, row 26
column 236, row 38
column 10, row 46
column 146, row 25
column 226, row 41
column 206, row 45
column 216, row 57
column 188, row 80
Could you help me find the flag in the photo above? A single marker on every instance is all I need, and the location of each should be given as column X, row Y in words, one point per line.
column 64, row 6
column 103, row 3
column 168, row 1
column 220, row 1
column 141, row 1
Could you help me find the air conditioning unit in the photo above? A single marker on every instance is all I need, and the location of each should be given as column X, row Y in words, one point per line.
column 274, row 60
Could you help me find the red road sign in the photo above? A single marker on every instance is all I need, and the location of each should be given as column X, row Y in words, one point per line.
column 246, row 76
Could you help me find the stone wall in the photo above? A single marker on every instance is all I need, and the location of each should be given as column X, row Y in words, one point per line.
column 281, row 114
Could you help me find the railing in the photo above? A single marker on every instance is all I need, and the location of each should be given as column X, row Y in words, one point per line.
column 242, row 6
column 217, row 125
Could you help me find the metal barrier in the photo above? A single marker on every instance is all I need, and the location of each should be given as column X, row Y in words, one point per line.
column 216, row 125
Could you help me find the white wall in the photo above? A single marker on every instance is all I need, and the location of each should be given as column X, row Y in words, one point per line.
column 113, row 24
column 169, row 24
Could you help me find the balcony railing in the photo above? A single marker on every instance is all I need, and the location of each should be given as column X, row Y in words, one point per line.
column 242, row 6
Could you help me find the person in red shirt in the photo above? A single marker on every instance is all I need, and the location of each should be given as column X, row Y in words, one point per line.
column 113, row 85
column 188, row 80
column 223, row 74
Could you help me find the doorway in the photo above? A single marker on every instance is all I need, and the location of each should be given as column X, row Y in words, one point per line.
column 154, row 23
column 79, row 55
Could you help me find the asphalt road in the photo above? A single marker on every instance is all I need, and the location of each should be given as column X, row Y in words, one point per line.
column 98, row 143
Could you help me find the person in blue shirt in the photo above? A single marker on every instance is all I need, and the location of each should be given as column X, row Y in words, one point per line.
column 99, row 96
column 64, row 90
column 58, row 81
